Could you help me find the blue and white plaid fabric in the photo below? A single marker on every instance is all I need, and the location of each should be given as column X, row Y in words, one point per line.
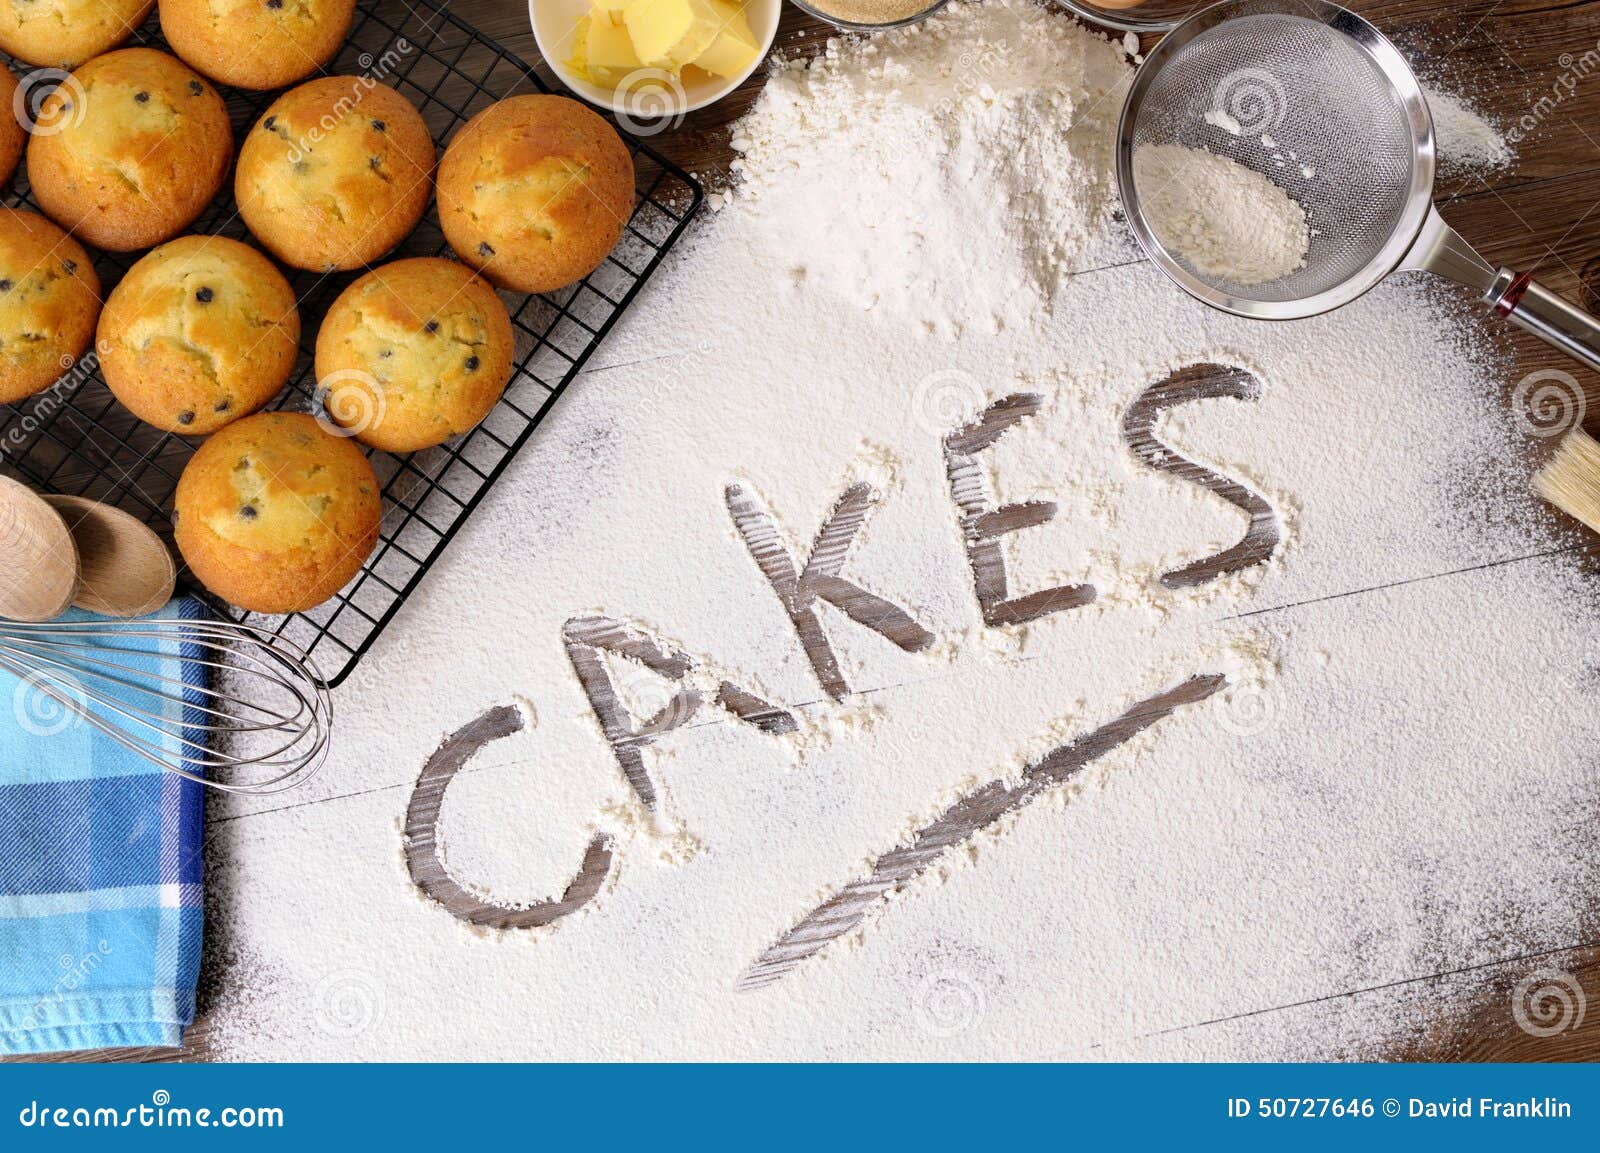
column 100, row 871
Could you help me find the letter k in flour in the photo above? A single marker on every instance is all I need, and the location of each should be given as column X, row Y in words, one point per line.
column 819, row 579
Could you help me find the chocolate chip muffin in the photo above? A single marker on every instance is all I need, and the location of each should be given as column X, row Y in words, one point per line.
column 12, row 137
column 275, row 515
column 335, row 174
column 201, row 332
column 141, row 145
column 534, row 192
column 413, row 353
column 65, row 33
column 256, row 43
column 49, row 298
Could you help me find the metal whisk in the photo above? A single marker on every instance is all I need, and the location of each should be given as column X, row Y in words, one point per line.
column 270, row 720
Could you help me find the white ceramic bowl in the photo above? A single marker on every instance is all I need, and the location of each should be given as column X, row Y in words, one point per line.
column 658, row 97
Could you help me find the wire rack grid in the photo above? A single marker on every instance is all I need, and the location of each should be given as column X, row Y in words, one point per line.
column 77, row 439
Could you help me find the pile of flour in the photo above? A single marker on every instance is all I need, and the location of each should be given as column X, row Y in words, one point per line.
column 1398, row 780
column 890, row 172
column 1467, row 142
column 1228, row 222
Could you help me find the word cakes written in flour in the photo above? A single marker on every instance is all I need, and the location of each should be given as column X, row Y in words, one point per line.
column 800, row 586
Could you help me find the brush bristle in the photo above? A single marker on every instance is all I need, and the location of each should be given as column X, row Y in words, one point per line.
column 1571, row 481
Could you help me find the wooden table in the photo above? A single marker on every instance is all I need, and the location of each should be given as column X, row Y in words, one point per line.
column 1529, row 63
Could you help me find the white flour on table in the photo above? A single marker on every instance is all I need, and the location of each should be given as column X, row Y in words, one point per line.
column 1467, row 143
column 1398, row 781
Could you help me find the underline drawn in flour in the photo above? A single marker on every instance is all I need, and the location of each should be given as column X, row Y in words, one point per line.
column 979, row 809
column 1203, row 382
column 982, row 525
column 819, row 579
column 426, row 864
column 586, row 638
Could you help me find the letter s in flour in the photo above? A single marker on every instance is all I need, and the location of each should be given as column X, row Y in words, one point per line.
column 1203, row 382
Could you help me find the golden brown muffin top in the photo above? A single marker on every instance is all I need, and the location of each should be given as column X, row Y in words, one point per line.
column 141, row 145
column 528, row 177
column 335, row 173
column 256, row 43
column 12, row 137
column 65, row 33
column 413, row 353
column 277, row 482
column 203, row 317
column 49, row 298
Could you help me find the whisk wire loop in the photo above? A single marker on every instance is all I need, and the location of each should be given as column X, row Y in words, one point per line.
column 262, row 721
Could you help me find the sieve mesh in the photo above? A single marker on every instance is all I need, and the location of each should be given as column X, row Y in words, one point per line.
column 1311, row 89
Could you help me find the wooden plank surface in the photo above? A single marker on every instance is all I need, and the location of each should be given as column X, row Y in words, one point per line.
column 1524, row 62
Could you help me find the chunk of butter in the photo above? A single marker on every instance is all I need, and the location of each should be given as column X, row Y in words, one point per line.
column 602, row 52
column 671, row 33
column 735, row 48
column 610, row 9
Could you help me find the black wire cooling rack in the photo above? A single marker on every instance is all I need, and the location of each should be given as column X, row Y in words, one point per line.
column 77, row 439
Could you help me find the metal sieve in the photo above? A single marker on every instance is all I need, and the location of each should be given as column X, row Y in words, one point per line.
column 1316, row 99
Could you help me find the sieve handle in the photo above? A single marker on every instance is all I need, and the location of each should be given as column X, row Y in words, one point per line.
column 1528, row 304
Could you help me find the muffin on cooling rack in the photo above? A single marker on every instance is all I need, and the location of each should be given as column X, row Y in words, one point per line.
column 335, row 174
column 534, row 192
column 12, row 137
column 65, row 33
column 201, row 332
column 413, row 353
column 276, row 515
column 256, row 43
column 49, row 298
column 140, row 146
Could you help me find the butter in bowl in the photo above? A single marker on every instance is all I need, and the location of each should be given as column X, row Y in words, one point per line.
column 651, row 61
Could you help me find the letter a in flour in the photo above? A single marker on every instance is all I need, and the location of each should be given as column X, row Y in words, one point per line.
column 819, row 579
column 983, row 526
column 588, row 638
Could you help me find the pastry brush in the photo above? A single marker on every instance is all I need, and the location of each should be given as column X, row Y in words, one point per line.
column 1571, row 481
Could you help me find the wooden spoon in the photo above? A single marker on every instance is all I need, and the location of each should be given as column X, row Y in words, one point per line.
column 38, row 559
column 124, row 569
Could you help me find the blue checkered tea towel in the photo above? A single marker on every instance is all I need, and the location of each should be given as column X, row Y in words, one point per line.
column 100, row 872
